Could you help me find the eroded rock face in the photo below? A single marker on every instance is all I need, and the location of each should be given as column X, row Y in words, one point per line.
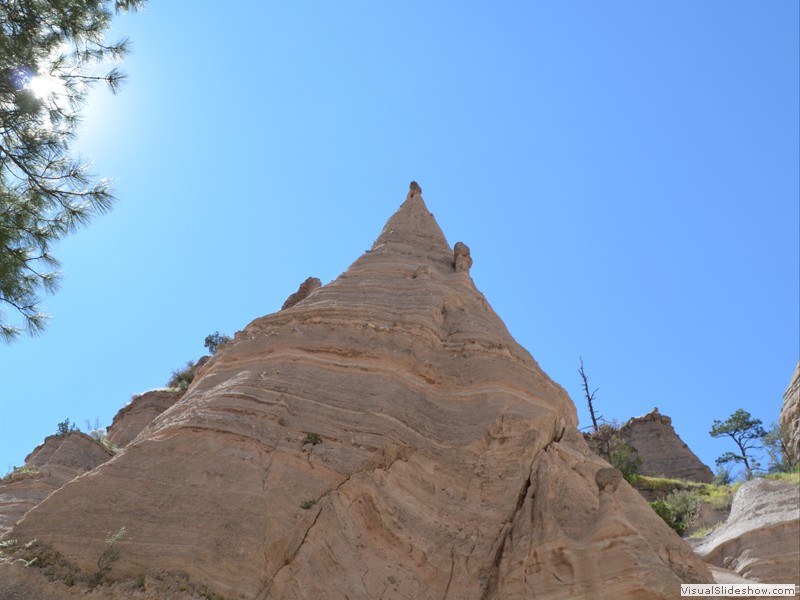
column 663, row 452
column 790, row 419
column 386, row 437
column 133, row 418
column 759, row 541
column 308, row 286
column 58, row 460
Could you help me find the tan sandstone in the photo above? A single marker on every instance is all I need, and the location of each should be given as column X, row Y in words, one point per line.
column 790, row 419
column 663, row 452
column 384, row 438
column 305, row 289
column 133, row 418
column 52, row 464
column 761, row 538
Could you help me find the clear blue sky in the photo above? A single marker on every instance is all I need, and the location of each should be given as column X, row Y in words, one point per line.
column 625, row 173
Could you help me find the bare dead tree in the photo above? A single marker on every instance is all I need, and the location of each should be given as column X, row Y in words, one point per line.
column 589, row 398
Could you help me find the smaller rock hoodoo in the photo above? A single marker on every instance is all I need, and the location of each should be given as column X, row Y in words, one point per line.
column 308, row 286
column 462, row 261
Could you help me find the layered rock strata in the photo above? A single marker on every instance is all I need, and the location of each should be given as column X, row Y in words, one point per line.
column 761, row 538
column 385, row 437
column 52, row 464
column 305, row 289
column 133, row 418
column 663, row 452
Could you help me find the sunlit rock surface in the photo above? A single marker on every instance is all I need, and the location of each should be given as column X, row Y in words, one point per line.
column 133, row 418
column 385, row 437
column 58, row 460
column 663, row 452
column 761, row 538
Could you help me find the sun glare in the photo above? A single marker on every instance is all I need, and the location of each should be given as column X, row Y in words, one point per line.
column 43, row 86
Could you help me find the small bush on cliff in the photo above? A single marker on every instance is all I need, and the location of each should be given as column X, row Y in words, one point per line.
column 49, row 561
column 66, row 427
column 21, row 472
column 109, row 556
column 607, row 442
column 94, row 429
column 213, row 341
column 312, row 438
column 724, row 475
column 677, row 509
column 625, row 458
column 181, row 378
column 100, row 434
column 775, row 441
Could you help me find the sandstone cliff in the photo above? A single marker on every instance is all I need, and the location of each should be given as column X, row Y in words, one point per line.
column 663, row 452
column 133, row 418
column 383, row 437
column 790, row 419
column 761, row 538
column 58, row 460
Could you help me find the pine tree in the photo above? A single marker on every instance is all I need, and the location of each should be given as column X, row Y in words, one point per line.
column 51, row 53
column 746, row 432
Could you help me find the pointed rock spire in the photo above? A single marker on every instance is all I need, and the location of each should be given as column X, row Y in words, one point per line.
column 384, row 435
column 414, row 228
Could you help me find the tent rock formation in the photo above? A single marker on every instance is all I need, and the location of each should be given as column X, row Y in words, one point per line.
column 663, row 452
column 383, row 437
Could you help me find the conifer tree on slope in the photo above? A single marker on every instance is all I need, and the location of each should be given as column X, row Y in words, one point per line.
column 51, row 53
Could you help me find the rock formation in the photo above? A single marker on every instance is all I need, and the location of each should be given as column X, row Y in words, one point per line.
column 462, row 261
column 58, row 460
column 384, row 438
column 790, row 419
column 133, row 418
column 308, row 286
column 761, row 538
column 663, row 452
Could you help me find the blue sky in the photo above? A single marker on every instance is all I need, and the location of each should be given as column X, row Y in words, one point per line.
column 625, row 174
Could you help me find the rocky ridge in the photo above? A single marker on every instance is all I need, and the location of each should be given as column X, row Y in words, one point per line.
column 142, row 410
column 663, row 452
column 385, row 436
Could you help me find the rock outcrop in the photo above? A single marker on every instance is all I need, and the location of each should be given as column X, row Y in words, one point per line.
column 133, row 418
column 305, row 289
column 663, row 452
column 761, row 538
column 462, row 261
column 386, row 437
column 790, row 419
column 52, row 464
